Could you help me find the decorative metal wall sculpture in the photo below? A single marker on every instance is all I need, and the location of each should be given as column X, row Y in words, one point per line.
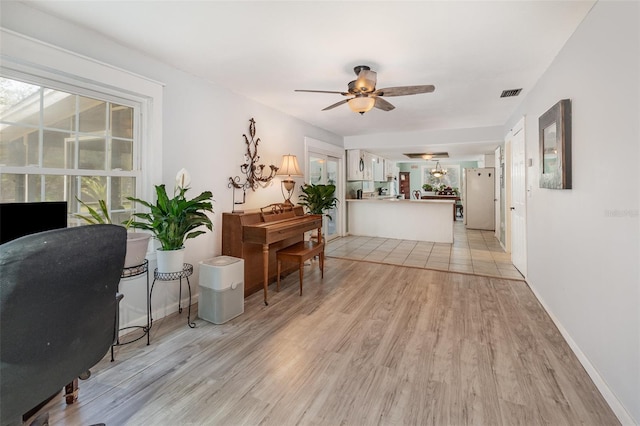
column 255, row 173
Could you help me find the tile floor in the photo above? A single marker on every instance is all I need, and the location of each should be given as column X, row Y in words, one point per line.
column 472, row 252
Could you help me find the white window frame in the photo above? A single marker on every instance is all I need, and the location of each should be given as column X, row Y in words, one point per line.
column 136, row 171
column 37, row 62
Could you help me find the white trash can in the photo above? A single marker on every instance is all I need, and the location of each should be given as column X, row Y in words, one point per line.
column 221, row 289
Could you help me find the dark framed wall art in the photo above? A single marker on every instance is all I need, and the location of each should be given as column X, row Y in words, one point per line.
column 554, row 127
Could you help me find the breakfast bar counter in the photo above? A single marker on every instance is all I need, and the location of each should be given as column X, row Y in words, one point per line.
column 418, row 220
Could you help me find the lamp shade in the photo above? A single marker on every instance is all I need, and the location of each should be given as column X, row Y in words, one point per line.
column 289, row 166
column 361, row 104
column 366, row 81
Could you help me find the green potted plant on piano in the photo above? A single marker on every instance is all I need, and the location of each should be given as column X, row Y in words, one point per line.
column 318, row 199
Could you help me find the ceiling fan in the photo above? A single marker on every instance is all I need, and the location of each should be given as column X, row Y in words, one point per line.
column 365, row 96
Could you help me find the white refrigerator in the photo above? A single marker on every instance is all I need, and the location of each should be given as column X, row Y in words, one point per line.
column 478, row 198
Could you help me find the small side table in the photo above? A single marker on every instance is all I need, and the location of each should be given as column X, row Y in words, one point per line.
column 187, row 270
column 130, row 272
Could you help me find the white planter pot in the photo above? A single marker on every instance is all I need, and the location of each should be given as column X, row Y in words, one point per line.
column 170, row 260
column 137, row 245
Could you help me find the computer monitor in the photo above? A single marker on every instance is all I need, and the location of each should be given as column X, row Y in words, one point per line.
column 19, row 219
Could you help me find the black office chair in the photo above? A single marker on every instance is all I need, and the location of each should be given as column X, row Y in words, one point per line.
column 57, row 310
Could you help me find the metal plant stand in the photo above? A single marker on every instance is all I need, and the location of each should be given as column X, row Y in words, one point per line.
column 187, row 270
column 130, row 272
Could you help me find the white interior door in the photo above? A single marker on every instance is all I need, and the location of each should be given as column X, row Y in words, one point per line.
column 518, row 207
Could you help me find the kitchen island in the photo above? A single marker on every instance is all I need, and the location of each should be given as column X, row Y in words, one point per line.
column 418, row 220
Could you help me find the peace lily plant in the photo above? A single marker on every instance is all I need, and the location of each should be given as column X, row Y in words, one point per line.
column 175, row 220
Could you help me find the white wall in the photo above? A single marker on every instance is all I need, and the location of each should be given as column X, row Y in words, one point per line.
column 583, row 243
column 202, row 128
column 206, row 138
column 431, row 138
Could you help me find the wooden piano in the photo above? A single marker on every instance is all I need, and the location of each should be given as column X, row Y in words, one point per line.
column 256, row 236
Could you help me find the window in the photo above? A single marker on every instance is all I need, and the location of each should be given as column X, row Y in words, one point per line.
column 452, row 178
column 59, row 142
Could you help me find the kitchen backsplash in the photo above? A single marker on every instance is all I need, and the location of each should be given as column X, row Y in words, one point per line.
column 367, row 192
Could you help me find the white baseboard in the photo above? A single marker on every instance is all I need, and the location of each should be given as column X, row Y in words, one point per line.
column 618, row 409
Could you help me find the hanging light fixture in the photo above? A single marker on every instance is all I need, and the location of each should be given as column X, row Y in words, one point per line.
column 289, row 168
column 361, row 104
column 438, row 172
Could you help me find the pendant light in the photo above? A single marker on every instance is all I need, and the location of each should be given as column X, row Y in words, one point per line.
column 438, row 172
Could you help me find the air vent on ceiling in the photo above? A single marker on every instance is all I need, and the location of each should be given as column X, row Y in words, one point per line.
column 511, row 92
column 428, row 155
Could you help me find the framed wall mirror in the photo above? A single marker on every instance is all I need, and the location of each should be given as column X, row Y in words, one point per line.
column 554, row 129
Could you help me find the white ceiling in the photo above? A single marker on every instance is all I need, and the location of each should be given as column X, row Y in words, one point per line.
column 470, row 50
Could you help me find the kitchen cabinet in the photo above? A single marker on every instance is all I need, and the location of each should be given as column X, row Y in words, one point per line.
column 368, row 166
column 355, row 164
column 378, row 169
column 362, row 165
column 390, row 169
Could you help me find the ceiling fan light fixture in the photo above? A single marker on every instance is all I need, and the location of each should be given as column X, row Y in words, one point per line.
column 366, row 81
column 361, row 104
column 364, row 86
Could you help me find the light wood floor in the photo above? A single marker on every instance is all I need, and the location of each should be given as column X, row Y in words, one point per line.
column 370, row 344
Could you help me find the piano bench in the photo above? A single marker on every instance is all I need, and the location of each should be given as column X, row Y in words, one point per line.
column 299, row 253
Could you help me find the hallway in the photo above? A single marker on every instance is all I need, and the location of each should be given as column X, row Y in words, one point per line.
column 472, row 252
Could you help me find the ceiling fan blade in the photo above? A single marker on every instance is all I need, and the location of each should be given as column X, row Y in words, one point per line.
column 404, row 90
column 383, row 104
column 344, row 101
column 323, row 91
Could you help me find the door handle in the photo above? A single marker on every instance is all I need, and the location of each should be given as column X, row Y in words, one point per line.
column 512, row 208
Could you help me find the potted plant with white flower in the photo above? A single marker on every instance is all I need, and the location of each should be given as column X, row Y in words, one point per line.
column 174, row 220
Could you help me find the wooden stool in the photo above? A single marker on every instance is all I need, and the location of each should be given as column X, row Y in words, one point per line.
column 301, row 252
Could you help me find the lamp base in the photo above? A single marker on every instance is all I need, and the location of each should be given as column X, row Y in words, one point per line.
column 288, row 185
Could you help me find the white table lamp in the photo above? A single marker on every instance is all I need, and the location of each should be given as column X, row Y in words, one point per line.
column 289, row 168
